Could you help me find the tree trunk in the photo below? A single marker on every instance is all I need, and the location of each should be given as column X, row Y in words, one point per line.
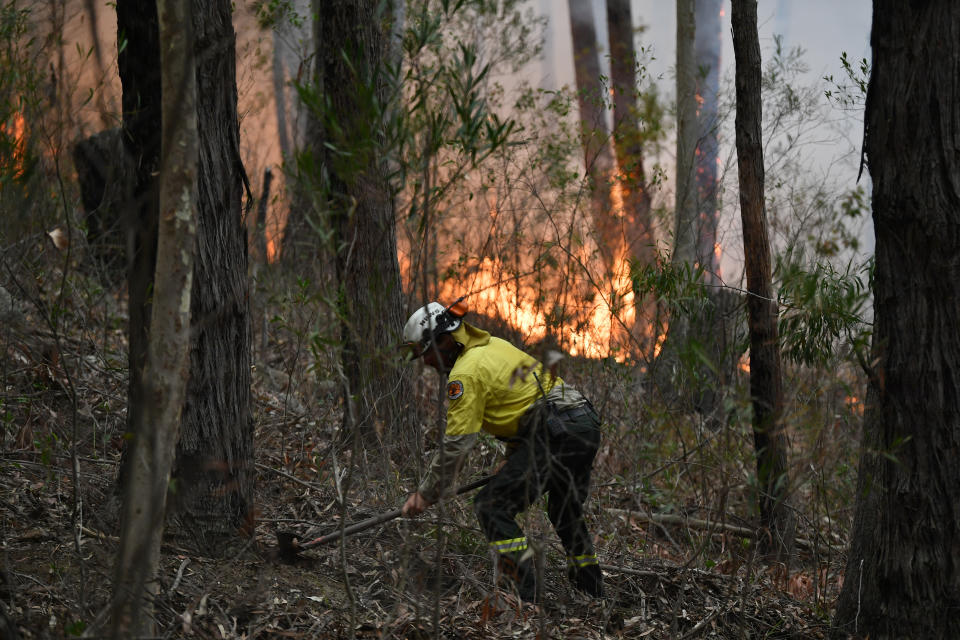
column 104, row 181
column 685, row 198
column 354, row 38
column 295, row 242
column 214, row 468
column 628, row 135
column 903, row 570
column 140, row 77
column 769, row 438
column 707, row 45
column 707, row 330
column 157, row 419
column 685, row 220
column 597, row 155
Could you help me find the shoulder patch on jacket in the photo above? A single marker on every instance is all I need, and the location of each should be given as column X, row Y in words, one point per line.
column 454, row 389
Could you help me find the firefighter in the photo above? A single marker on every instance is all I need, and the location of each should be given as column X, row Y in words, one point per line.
column 551, row 431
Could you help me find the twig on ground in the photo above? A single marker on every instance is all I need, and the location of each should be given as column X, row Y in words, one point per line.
column 176, row 580
column 288, row 476
column 697, row 523
column 99, row 535
column 697, row 628
column 628, row 571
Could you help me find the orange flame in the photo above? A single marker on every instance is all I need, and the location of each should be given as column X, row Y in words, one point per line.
column 516, row 301
column 600, row 313
column 658, row 345
column 271, row 247
column 18, row 131
column 854, row 404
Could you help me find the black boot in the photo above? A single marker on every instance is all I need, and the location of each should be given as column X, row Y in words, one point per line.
column 521, row 573
column 588, row 579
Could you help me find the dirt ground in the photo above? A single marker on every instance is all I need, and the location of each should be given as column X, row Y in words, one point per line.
column 426, row 578
column 391, row 586
column 406, row 579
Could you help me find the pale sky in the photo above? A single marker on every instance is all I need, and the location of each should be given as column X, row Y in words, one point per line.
column 822, row 28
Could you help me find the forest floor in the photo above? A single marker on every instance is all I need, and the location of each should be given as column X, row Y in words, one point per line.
column 423, row 578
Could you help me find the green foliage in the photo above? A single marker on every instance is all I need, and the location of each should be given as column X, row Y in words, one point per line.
column 811, row 210
column 849, row 92
column 271, row 13
column 19, row 96
column 442, row 87
column 677, row 286
column 822, row 310
column 435, row 112
column 837, row 236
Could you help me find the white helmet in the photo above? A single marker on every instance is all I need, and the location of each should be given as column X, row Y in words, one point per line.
column 426, row 323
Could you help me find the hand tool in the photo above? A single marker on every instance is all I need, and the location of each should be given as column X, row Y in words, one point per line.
column 290, row 546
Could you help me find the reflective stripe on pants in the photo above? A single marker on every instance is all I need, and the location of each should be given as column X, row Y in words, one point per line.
column 555, row 461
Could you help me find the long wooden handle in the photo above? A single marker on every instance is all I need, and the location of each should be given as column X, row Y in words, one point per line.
column 371, row 522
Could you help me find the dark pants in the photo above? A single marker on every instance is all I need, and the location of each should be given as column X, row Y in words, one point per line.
column 554, row 456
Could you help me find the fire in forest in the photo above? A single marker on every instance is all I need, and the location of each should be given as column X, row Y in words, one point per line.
column 15, row 134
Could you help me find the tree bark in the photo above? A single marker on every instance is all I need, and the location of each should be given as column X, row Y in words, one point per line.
column 903, row 571
column 707, row 46
column 140, row 76
column 628, row 135
column 597, row 156
column 294, row 242
column 685, row 220
column 354, row 38
column 214, row 469
column 635, row 219
column 769, row 438
column 685, row 198
column 157, row 419
column 104, row 181
column 708, row 328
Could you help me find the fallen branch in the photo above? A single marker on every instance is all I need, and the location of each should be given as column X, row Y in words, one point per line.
column 179, row 577
column 288, row 476
column 99, row 535
column 628, row 571
column 700, row 625
column 697, row 523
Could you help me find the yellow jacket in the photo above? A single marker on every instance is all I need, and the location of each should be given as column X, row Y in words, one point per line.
column 491, row 385
column 489, row 388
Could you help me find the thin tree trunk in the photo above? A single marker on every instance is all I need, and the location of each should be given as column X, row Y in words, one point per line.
column 157, row 419
column 628, row 134
column 707, row 45
column 695, row 219
column 292, row 238
column 597, row 155
column 903, row 571
column 685, row 217
column 685, row 201
column 765, row 372
column 140, row 76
